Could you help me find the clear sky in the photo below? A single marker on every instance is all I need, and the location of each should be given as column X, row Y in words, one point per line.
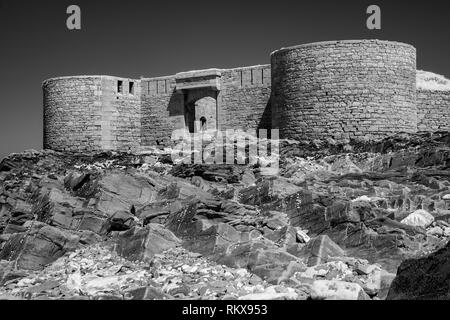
column 149, row 38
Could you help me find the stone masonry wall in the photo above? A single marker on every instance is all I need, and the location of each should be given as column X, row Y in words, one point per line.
column 344, row 89
column 340, row 89
column 162, row 110
column 244, row 99
column 86, row 113
column 72, row 113
column 121, row 114
column 243, row 103
column 433, row 110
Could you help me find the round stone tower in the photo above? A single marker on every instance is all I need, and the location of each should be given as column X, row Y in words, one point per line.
column 91, row 113
column 344, row 89
column 71, row 112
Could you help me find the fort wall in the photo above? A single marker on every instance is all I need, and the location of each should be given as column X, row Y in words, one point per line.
column 433, row 110
column 344, row 89
column 72, row 113
column 354, row 89
column 244, row 99
column 162, row 110
column 87, row 113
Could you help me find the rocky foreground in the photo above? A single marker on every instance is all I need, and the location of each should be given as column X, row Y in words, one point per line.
column 358, row 221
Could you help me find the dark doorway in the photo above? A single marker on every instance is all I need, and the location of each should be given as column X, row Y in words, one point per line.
column 201, row 110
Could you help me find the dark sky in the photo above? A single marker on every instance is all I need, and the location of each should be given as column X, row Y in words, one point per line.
column 152, row 38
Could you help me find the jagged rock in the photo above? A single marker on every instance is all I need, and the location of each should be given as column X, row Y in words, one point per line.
column 378, row 283
column 45, row 286
column 228, row 173
column 89, row 237
column 213, row 240
column 436, row 231
column 302, row 237
column 320, row 249
column 58, row 208
column 143, row 243
column 89, row 220
column 365, row 269
column 232, row 214
column 426, row 278
column 120, row 221
column 271, row 293
column 337, row 290
column 148, row 293
column 267, row 191
column 158, row 211
column 317, row 213
column 75, row 180
column 285, row 236
column 96, row 284
column 419, row 218
column 183, row 190
column 41, row 245
column 263, row 258
column 117, row 191
column 8, row 273
column 181, row 222
column 333, row 270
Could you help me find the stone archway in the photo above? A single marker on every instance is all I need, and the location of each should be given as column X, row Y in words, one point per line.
column 205, row 113
column 201, row 110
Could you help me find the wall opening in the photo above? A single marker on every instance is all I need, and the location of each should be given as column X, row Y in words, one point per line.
column 202, row 124
column 119, row 86
column 131, row 87
column 200, row 110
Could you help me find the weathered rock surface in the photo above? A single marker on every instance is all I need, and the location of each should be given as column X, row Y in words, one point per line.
column 320, row 249
column 39, row 246
column 334, row 289
column 143, row 243
column 335, row 224
column 426, row 278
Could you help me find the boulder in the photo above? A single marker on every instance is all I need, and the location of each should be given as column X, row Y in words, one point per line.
column 285, row 236
column 147, row 293
column 378, row 283
column 116, row 191
column 337, row 290
column 419, row 218
column 214, row 240
column 267, row 191
column 302, row 237
column 436, row 231
column 8, row 273
column 320, row 249
column 333, row 270
column 89, row 220
column 120, row 221
column 36, row 248
column 57, row 207
column 271, row 293
column 158, row 211
column 316, row 212
column 261, row 257
column 181, row 222
column 426, row 278
column 75, row 180
column 142, row 243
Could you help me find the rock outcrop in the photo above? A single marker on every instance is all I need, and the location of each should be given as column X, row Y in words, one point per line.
column 339, row 222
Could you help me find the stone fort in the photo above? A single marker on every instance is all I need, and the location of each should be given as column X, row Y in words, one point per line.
column 337, row 89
